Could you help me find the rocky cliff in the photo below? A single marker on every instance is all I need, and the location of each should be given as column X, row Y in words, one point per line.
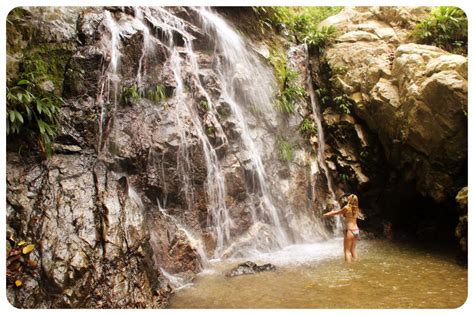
column 412, row 98
column 169, row 151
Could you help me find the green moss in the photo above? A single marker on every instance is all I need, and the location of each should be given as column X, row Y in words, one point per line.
column 47, row 62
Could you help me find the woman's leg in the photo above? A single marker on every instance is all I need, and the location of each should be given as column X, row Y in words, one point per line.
column 353, row 248
column 347, row 246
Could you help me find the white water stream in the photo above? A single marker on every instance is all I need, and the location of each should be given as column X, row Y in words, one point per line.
column 246, row 84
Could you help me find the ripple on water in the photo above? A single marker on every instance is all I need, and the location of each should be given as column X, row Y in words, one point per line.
column 314, row 276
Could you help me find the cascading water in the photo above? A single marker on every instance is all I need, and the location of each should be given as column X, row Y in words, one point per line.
column 247, row 86
column 109, row 86
column 241, row 73
column 321, row 141
column 215, row 183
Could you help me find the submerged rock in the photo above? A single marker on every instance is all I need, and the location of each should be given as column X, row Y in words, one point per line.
column 249, row 267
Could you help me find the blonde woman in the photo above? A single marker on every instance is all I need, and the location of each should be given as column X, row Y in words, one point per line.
column 351, row 213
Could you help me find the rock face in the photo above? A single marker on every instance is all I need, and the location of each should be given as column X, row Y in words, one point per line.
column 414, row 97
column 142, row 190
column 249, row 267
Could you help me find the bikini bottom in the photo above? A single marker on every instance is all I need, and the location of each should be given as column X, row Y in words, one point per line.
column 355, row 232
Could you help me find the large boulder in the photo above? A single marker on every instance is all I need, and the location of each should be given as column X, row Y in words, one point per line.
column 414, row 97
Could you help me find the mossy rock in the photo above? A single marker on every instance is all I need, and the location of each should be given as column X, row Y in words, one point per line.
column 48, row 62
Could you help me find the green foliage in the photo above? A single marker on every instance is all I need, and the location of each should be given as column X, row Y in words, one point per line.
column 156, row 94
column 204, row 105
column 31, row 108
column 323, row 95
column 308, row 127
column 210, row 130
column 344, row 177
column 300, row 23
column 364, row 153
column 283, row 74
column 285, row 152
column 130, row 94
column 343, row 103
column 318, row 38
column 286, row 99
column 288, row 93
column 270, row 17
column 446, row 27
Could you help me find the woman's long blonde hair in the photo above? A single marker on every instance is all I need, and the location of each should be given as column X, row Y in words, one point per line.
column 353, row 205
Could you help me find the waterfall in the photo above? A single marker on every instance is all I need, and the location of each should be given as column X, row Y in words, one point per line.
column 321, row 142
column 248, row 87
column 215, row 183
column 109, row 85
column 243, row 76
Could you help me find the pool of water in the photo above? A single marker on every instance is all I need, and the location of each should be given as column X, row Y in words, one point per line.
column 387, row 275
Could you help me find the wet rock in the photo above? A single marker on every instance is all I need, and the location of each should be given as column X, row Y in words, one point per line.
column 249, row 267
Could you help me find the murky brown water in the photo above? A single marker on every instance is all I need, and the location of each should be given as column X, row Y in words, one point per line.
column 387, row 275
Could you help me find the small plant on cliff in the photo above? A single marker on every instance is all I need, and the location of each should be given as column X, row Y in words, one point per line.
column 308, row 127
column 156, row 94
column 286, row 99
column 446, row 27
column 31, row 107
column 343, row 103
column 318, row 39
column 204, row 105
column 130, row 94
column 285, row 152
column 323, row 95
column 289, row 93
column 296, row 22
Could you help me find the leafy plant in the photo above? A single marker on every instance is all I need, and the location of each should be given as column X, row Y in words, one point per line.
column 297, row 22
column 204, row 105
column 323, row 95
column 156, row 94
column 343, row 103
column 286, row 99
column 31, row 107
column 288, row 93
column 446, row 27
column 130, row 94
column 318, row 39
column 308, row 127
column 210, row 130
column 285, row 151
